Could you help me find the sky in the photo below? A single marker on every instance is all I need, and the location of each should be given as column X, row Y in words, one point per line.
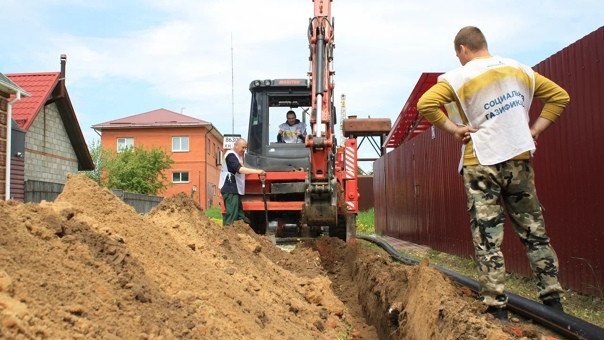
column 198, row 57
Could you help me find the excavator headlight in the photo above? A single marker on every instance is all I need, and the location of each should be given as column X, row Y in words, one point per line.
column 267, row 82
column 257, row 83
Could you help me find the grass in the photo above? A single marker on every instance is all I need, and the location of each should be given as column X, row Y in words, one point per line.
column 214, row 214
column 365, row 222
column 586, row 307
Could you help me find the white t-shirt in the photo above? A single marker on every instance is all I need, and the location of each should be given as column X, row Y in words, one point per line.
column 495, row 94
column 291, row 132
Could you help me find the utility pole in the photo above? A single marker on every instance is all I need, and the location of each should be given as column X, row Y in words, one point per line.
column 232, row 89
column 342, row 116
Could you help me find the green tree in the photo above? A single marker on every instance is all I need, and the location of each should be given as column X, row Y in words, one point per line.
column 99, row 156
column 136, row 170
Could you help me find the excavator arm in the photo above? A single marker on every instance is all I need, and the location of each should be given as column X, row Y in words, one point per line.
column 321, row 45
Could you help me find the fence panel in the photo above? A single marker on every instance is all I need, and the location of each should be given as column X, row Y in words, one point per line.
column 37, row 191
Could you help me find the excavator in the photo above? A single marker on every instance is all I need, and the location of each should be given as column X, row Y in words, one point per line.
column 310, row 187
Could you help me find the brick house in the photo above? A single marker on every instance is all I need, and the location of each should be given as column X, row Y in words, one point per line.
column 10, row 138
column 54, row 143
column 194, row 145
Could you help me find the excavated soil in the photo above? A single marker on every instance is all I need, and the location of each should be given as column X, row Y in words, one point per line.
column 88, row 266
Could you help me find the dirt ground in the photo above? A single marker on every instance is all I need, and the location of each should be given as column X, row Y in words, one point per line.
column 88, row 266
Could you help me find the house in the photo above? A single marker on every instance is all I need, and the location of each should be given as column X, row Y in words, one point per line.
column 194, row 145
column 54, row 143
column 12, row 138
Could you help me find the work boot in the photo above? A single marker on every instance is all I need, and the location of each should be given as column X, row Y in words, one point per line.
column 554, row 304
column 500, row 313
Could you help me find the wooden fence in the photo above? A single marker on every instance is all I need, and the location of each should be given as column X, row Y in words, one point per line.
column 37, row 191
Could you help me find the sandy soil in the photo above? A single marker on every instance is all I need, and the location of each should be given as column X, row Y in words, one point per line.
column 88, row 266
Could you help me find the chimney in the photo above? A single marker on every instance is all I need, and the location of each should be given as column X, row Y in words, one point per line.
column 62, row 76
column 63, row 62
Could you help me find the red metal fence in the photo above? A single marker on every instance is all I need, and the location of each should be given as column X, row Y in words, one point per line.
column 419, row 196
column 366, row 192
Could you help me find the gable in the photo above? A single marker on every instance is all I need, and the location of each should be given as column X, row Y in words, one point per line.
column 46, row 88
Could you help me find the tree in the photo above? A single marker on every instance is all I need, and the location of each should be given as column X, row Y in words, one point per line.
column 137, row 170
column 99, row 156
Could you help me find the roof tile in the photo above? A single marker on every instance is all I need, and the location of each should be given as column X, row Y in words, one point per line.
column 40, row 86
column 155, row 118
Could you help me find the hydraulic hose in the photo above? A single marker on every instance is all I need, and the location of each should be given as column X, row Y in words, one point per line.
column 557, row 321
column 263, row 181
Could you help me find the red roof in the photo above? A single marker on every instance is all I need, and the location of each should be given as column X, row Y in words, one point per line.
column 155, row 118
column 40, row 86
column 409, row 122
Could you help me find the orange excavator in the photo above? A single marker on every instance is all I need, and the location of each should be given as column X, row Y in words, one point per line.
column 310, row 188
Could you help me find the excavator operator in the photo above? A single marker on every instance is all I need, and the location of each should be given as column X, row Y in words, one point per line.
column 292, row 131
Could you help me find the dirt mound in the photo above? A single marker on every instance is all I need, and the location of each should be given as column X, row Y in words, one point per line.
column 179, row 203
column 88, row 266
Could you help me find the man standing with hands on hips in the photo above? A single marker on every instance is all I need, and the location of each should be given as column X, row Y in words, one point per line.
column 488, row 100
column 232, row 182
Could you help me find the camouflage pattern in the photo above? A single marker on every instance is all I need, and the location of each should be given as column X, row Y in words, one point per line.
column 511, row 182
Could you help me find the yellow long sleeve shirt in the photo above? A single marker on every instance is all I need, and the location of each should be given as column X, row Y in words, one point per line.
column 429, row 105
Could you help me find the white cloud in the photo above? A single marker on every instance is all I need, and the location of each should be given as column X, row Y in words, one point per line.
column 184, row 54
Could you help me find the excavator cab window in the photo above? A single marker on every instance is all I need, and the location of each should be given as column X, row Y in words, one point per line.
column 269, row 106
column 278, row 116
column 256, row 124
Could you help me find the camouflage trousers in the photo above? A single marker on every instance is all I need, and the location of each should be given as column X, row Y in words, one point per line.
column 512, row 185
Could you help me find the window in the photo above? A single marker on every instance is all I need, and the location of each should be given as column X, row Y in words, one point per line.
column 180, row 144
column 180, row 177
column 124, row 143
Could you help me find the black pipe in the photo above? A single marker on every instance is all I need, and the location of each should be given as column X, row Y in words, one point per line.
column 555, row 320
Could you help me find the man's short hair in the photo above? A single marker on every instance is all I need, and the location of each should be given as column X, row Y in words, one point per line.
column 239, row 141
column 472, row 38
column 290, row 112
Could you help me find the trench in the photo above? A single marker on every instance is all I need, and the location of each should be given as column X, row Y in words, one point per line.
column 391, row 300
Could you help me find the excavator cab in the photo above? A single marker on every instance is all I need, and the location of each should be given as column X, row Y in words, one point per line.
column 271, row 100
column 291, row 202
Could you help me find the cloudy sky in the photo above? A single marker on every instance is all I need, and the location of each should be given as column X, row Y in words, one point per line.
column 132, row 56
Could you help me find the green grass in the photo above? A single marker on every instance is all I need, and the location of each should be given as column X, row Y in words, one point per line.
column 366, row 222
column 213, row 212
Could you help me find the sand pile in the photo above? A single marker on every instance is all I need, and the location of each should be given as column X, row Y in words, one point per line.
column 88, row 266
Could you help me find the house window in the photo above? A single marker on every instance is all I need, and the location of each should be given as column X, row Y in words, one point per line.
column 180, row 177
column 124, row 143
column 180, row 144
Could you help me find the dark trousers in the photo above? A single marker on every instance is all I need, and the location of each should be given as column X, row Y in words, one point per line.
column 234, row 209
